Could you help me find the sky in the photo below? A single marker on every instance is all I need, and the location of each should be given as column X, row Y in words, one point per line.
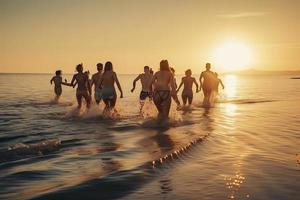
column 40, row 36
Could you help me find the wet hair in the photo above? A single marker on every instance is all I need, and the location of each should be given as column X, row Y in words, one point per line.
column 189, row 71
column 164, row 65
column 146, row 68
column 58, row 72
column 108, row 66
column 172, row 69
column 79, row 68
column 207, row 66
column 99, row 67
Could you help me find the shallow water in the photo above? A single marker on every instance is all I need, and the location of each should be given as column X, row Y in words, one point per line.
column 244, row 148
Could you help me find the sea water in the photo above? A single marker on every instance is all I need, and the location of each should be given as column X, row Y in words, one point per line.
column 246, row 147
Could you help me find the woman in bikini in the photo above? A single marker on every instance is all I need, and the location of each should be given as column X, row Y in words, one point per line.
column 164, row 87
column 107, row 82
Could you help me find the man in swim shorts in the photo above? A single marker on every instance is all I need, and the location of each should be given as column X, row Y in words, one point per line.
column 96, row 81
column 145, row 78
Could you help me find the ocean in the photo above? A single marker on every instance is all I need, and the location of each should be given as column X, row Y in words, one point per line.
column 246, row 147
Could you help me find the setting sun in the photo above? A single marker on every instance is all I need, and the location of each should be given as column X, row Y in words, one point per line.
column 232, row 56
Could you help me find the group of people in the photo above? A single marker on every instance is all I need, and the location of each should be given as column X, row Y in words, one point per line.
column 161, row 87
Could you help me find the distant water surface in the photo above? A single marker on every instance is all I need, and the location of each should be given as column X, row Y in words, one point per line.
column 246, row 147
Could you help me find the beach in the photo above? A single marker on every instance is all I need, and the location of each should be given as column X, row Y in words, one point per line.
column 245, row 147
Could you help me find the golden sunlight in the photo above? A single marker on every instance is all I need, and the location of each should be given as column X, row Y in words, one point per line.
column 232, row 56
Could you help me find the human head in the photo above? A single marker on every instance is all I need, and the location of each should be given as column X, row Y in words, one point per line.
column 164, row 65
column 99, row 67
column 87, row 73
column 207, row 66
column 108, row 66
column 146, row 69
column 79, row 67
column 188, row 72
column 58, row 72
column 151, row 71
column 172, row 70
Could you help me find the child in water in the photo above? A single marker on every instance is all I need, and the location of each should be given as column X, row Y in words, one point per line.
column 57, row 79
column 187, row 93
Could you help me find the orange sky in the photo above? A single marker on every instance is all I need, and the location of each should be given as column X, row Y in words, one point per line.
column 45, row 35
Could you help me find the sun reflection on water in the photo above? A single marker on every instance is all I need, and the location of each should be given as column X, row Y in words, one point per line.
column 230, row 82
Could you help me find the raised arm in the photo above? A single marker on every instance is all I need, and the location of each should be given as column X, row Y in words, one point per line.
column 134, row 82
column 118, row 84
column 180, row 85
column 197, row 86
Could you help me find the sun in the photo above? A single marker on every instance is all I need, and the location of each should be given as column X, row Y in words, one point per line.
column 232, row 56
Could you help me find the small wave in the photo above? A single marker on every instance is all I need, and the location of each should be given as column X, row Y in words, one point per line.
column 126, row 180
column 246, row 101
column 21, row 150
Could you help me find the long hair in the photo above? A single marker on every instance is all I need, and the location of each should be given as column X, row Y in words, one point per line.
column 108, row 66
column 164, row 65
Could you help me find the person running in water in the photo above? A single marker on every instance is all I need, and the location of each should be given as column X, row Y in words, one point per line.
column 96, row 81
column 218, row 82
column 57, row 79
column 207, row 80
column 187, row 93
column 83, row 86
column 174, row 96
column 107, row 82
column 145, row 78
column 164, row 85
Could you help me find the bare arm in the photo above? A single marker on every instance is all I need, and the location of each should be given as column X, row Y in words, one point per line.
column 180, row 85
column 221, row 83
column 197, row 86
column 152, row 82
column 118, row 84
column 200, row 79
column 134, row 82
column 73, row 80
column 88, row 84
column 51, row 81
column 173, row 84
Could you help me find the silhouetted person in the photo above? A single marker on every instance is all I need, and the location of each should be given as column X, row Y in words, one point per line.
column 107, row 82
column 145, row 78
column 57, row 79
column 96, row 82
column 218, row 82
column 83, row 88
column 207, row 80
column 187, row 93
column 174, row 95
column 164, row 87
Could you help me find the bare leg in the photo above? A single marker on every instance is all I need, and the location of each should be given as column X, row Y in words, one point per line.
column 190, row 99
column 88, row 100
column 166, row 105
column 79, row 97
column 184, row 98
